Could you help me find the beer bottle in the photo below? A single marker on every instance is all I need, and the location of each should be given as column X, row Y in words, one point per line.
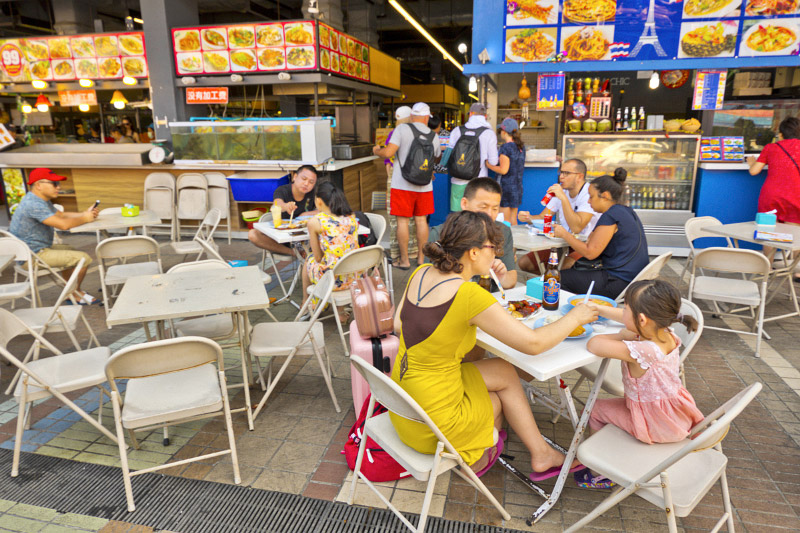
column 552, row 283
column 486, row 282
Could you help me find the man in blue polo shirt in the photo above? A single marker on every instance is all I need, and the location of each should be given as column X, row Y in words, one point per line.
column 36, row 219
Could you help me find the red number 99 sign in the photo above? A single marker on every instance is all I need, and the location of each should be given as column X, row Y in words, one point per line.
column 11, row 57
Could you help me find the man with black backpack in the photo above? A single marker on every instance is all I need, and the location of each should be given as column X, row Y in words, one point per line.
column 472, row 144
column 417, row 148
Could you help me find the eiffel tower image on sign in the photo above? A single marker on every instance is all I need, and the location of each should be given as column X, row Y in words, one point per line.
column 649, row 34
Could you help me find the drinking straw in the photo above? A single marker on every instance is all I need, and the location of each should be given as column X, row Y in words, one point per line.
column 494, row 277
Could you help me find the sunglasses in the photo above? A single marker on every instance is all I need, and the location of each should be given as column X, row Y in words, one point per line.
column 53, row 183
column 565, row 172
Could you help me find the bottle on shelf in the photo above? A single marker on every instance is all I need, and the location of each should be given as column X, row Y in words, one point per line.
column 618, row 123
column 659, row 203
column 625, row 124
column 642, row 121
column 634, row 122
column 552, row 283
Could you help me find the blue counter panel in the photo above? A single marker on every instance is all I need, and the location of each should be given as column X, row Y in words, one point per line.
column 728, row 195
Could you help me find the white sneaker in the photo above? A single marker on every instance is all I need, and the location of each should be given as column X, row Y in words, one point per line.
column 88, row 299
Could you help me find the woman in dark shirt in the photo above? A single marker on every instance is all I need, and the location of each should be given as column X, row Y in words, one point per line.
column 510, row 168
column 618, row 240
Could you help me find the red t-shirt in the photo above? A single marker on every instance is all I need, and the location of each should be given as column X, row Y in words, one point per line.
column 781, row 189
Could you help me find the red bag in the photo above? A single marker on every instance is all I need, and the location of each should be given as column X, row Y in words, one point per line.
column 372, row 306
column 380, row 351
column 377, row 465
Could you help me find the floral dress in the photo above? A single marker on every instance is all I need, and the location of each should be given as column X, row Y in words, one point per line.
column 338, row 235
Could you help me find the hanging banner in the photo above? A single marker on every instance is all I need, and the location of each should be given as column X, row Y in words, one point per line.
column 709, row 89
column 73, row 98
column 206, row 95
column 550, row 92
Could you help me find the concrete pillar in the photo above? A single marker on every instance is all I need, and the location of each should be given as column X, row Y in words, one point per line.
column 160, row 16
column 330, row 12
column 362, row 23
column 73, row 16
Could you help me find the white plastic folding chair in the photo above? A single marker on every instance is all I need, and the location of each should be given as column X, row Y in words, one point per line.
column 213, row 253
column 219, row 197
column 378, row 224
column 675, row 476
column 52, row 376
column 423, row 467
column 37, row 268
column 101, row 233
column 9, row 292
column 287, row 339
column 693, row 228
column 125, row 248
column 205, row 233
column 56, row 235
column 612, row 383
column 159, row 197
column 169, row 382
column 750, row 293
column 651, row 271
column 191, row 198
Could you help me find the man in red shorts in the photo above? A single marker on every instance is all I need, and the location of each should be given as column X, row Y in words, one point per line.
column 409, row 200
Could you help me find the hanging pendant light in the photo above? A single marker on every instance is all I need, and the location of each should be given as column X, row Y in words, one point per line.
column 129, row 80
column 43, row 104
column 26, row 107
column 118, row 100
column 83, row 107
column 39, row 84
column 85, row 82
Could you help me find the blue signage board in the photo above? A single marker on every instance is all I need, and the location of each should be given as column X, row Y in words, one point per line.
column 709, row 89
column 550, row 92
column 603, row 35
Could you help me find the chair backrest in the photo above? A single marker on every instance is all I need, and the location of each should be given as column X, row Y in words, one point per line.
column 731, row 260
column 59, row 207
column 69, row 287
column 208, row 226
column 211, row 253
column 128, row 246
column 207, row 264
column 17, row 248
column 320, row 294
column 162, row 357
column 688, row 340
column 218, row 195
column 10, row 327
column 359, row 260
column 378, row 225
column 159, row 194
column 651, row 271
column 693, row 228
column 266, row 217
column 192, row 196
column 395, row 399
column 710, row 431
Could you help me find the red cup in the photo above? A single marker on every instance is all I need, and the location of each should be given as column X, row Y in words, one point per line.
column 547, row 229
column 547, row 197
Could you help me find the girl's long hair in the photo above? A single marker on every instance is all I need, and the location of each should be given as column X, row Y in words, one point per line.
column 659, row 301
column 334, row 199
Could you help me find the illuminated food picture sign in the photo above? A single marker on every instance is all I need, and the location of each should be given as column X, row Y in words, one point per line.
column 664, row 33
column 72, row 57
column 269, row 47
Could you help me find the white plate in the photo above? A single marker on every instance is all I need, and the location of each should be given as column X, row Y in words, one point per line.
column 517, row 59
column 587, row 329
column 722, row 11
column 552, row 17
column 745, row 50
column 606, row 30
column 730, row 27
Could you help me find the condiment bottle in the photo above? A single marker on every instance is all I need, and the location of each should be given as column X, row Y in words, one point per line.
column 552, row 283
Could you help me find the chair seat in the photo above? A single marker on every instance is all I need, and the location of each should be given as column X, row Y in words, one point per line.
column 612, row 383
column 12, row 291
column 279, row 338
column 341, row 298
column 118, row 274
column 265, row 278
column 417, row 464
column 210, row 327
column 22, row 269
column 166, row 397
column 620, row 457
column 188, row 247
column 66, row 373
column 35, row 318
column 736, row 291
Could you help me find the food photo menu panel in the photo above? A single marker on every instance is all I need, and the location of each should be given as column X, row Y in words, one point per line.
column 646, row 30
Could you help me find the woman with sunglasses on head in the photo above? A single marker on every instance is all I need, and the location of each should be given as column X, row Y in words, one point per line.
column 437, row 320
column 616, row 250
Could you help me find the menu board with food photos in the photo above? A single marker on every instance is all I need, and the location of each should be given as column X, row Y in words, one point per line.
column 646, row 30
column 241, row 48
column 72, row 57
column 270, row 46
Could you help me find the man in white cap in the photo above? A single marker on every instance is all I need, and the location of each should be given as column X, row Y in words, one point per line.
column 487, row 142
column 409, row 200
column 402, row 115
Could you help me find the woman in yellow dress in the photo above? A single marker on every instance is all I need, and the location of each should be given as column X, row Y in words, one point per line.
column 437, row 319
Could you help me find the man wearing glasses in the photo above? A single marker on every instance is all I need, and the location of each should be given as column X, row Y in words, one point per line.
column 570, row 204
column 36, row 219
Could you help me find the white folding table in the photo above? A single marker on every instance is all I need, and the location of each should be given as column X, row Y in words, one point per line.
column 109, row 221
column 567, row 355
column 191, row 293
column 535, row 242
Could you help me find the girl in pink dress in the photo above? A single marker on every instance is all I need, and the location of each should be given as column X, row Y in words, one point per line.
column 656, row 407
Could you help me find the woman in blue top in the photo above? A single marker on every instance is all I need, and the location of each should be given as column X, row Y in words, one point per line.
column 618, row 240
column 510, row 168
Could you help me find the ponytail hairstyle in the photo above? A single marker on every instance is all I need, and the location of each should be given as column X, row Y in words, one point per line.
column 334, row 199
column 659, row 301
column 614, row 185
column 462, row 232
column 516, row 138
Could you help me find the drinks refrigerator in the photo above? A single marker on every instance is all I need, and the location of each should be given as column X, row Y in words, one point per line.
column 662, row 168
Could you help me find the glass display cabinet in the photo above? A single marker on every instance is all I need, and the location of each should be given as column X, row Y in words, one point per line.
column 662, row 168
column 279, row 142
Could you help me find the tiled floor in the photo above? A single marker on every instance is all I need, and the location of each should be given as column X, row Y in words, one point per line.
column 297, row 442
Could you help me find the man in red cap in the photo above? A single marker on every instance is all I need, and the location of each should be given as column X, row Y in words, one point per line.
column 35, row 220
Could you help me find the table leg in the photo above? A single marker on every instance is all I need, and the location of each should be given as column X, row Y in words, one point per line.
column 246, row 370
column 786, row 273
column 288, row 293
column 567, row 404
column 573, row 448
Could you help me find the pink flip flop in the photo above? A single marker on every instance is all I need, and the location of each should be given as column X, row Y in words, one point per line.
column 501, row 437
column 552, row 472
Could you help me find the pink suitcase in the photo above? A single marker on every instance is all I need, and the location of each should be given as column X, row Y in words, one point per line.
column 379, row 351
column 372, row 305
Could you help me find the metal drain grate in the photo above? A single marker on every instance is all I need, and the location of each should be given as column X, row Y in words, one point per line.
column 193, row 506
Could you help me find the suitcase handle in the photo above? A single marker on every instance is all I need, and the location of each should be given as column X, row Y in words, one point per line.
column 378, row 360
